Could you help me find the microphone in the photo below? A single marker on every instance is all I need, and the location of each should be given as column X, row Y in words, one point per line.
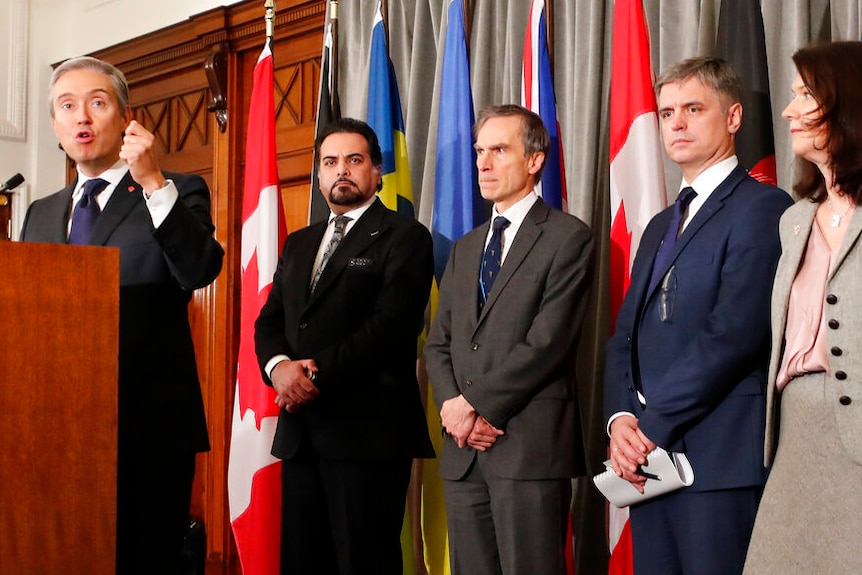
column 12, row 183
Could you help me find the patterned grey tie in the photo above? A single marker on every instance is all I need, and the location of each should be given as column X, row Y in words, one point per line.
column 337, row 235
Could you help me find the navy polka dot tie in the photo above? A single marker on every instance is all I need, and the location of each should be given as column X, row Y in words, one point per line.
column 492, row 260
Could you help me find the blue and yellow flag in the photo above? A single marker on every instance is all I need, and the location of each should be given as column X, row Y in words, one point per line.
column 458, row 206
column 384, row 116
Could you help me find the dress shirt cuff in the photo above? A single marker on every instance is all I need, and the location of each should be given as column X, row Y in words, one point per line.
column 161, row 201
column 270, row 365
column 615, row 416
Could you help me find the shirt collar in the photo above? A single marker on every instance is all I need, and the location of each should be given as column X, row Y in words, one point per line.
column 112, row 175
column 517, row 211
column 711, row 177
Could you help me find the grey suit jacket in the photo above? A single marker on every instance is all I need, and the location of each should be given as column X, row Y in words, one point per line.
column 514, row 361
column 843, row 309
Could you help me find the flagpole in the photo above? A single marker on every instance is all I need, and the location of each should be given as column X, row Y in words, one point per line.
column 333, row 64
column 384, row 11
column 549, row 10
column 270, row 20
column 467, row 26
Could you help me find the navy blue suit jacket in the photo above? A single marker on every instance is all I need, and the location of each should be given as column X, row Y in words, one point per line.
column 703, row 367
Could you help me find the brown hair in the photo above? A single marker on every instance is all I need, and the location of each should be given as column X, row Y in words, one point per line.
column 832, row 73
column 714, row 73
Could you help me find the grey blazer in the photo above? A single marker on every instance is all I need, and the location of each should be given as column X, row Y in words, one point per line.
column 514, row 362
column 843, row 309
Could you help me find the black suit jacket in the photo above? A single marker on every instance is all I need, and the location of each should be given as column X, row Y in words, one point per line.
column 160, row 404
column 360, row 326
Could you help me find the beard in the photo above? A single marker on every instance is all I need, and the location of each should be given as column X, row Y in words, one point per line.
column 346, row 193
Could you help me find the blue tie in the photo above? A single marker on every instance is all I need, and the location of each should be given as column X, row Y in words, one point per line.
column 492, row 260
column 663, row 257
column 86, row 211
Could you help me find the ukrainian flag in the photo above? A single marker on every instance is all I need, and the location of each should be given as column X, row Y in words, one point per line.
column 458, row 208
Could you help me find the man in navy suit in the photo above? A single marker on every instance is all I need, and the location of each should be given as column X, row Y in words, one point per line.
column 161, row 223
column 686, row 367
column 337, row 340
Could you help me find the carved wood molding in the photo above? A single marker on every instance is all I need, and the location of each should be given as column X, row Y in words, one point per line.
column 189, row 43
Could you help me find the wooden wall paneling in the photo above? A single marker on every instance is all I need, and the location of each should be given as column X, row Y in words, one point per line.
column 169, row 92
column 227, row 215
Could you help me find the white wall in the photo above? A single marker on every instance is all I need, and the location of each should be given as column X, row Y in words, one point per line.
column 48, row 31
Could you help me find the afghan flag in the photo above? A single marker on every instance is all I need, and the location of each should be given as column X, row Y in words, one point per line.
column 328, row 111
column 742, row 43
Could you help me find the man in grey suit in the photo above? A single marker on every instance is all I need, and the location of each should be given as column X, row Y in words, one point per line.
column 501, row 357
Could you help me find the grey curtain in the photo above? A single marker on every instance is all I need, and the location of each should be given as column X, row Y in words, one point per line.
column 582, row 48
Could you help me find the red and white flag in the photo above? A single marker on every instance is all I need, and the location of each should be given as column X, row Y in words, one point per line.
column 254, row 475
column 637, row 187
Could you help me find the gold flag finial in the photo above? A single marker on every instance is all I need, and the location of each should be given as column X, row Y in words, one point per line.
column 270, row 18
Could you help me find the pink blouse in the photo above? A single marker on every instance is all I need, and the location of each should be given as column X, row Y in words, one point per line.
column 805, row 348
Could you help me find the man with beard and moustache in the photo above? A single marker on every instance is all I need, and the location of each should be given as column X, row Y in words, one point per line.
column 336, row 339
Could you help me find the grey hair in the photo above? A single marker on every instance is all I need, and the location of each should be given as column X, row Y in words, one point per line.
column 118, row 79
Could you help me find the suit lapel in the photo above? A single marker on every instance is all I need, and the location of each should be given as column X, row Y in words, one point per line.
column 57, row 220
column 300, row 255
column 713, row 205
column 854, row 229
column 367, row 230
column 466, row 275
column 525, row 239
column 794, row 246
column 793, row 250
column 126, row 196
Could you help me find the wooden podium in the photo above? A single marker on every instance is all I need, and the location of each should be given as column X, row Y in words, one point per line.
column 59, row 312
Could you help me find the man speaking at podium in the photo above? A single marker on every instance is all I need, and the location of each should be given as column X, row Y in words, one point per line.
column 161, row 223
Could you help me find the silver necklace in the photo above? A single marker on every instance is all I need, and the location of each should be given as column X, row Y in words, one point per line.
column 836, row 218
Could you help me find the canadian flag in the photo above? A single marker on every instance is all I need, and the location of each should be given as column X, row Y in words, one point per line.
column 637, row 188
column 254, row 475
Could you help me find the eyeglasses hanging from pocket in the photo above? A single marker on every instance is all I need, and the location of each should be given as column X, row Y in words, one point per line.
column 667, row 296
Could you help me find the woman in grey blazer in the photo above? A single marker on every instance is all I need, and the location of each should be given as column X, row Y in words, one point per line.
column 810, row 517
